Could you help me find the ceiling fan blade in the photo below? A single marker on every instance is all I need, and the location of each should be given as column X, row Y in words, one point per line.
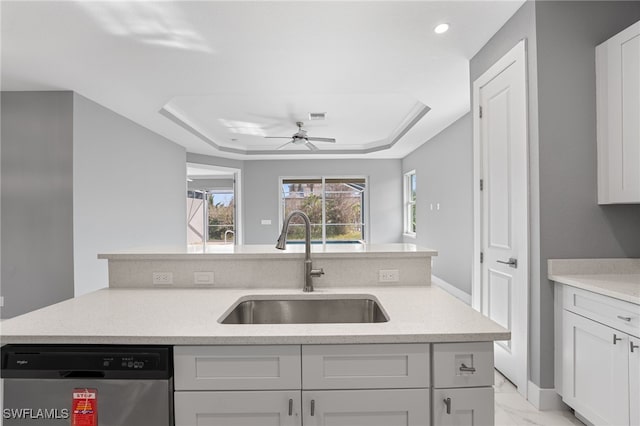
column 277, row 137
column 283, row 145
column 311, row 146
column 332, row 140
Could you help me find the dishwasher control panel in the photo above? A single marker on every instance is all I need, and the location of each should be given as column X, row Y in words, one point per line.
column 87, row 361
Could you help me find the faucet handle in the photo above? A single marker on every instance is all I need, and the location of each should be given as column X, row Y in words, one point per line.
column 317, row 272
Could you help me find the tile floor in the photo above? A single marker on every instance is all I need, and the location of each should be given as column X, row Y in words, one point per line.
column 513, row 410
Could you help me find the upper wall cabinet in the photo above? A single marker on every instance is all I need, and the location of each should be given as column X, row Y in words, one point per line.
column 618, row 121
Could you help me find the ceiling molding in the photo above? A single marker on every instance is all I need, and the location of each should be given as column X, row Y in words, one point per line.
column 418, row 112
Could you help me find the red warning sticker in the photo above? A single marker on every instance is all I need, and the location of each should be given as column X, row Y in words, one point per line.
column 84, row 408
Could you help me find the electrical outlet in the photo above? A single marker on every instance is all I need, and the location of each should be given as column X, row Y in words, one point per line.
column 203, row 278
column 1, row 301
column 388, row 275
column 162, row 278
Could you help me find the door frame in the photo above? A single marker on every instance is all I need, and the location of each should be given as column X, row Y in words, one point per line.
column 518, row 56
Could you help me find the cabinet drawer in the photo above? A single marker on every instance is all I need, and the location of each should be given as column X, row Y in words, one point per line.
column 458, row 365
column 365, row 366
column 259, row 408
column 385, row 407
column 618, row 314
column 237, row 367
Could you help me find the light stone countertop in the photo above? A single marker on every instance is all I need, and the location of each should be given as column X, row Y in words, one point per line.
column 617, row 278
column 190, row 317
column 263, row 251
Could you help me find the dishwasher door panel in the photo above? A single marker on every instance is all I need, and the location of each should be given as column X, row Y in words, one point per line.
column 47, row 402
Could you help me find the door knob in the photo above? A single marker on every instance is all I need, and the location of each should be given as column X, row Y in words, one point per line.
column 512, row 262
column 632, row 346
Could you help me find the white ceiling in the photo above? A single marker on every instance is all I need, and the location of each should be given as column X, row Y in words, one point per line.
column 216, row 77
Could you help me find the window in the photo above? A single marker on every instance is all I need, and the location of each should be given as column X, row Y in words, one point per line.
column 335, row 207
column 410, row 203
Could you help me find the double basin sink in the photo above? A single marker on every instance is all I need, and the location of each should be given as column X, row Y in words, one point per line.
column 255, row 310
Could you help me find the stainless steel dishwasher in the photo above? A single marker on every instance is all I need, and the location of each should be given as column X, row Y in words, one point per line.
column 86, row 385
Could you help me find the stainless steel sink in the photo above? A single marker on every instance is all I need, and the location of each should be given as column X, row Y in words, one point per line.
column 306, row 311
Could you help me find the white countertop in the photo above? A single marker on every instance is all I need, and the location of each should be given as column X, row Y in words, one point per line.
column 262, row 251
column 190, row 317
column 619, row 286
column 617, row 278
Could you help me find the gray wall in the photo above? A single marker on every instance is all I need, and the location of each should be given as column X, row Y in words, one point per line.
column 37, row 200
column 129, row 190
column 214, row 161
column 261, row 194
column 572, row 225
column 444, row 173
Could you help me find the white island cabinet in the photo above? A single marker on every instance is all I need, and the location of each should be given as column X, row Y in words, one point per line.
column 340, row 385
column 618, row 117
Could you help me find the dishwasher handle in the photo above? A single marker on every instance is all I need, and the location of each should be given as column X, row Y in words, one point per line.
column 80, row 374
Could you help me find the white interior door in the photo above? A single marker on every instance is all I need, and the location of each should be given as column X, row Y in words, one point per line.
column 502, row 232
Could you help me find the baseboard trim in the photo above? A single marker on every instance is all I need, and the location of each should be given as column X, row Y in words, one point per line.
column 451, row 289
column 545, row 399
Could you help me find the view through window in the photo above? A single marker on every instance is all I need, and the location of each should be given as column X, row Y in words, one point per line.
column 212, row 210
column 410, row 203
column 335, row 207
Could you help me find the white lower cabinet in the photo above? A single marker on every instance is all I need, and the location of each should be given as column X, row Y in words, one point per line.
column 598, row 358
column 463, row 407
column 596, row 379
column 334, row 385
column 634, row 380
column 392, row 407
column 237, row 408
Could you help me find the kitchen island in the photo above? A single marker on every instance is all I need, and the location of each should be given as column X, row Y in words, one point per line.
column 430, row 363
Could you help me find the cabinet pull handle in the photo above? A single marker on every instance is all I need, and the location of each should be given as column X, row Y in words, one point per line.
column 632, row 346
column 627, row 319
column 290, row 406
column 313, row 407
column 466, row 369
column 447, row 403
column 616, row 339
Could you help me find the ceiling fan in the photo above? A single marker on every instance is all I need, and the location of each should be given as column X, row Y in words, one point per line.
column 300, row 138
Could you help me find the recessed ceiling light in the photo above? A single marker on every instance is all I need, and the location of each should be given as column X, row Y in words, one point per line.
column 442, row 28
column 317, row 115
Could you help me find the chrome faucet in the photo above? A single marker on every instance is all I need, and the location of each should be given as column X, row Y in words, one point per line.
column 309, row 272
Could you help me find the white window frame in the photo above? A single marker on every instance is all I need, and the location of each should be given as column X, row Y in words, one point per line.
column 409, row 205
column 365, row 205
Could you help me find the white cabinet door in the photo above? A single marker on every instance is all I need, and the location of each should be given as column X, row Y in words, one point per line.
column 595, row 370
column 463, row 407
column 245, row 408
column 618, row 103
column 634, row 380
column 394, row 407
